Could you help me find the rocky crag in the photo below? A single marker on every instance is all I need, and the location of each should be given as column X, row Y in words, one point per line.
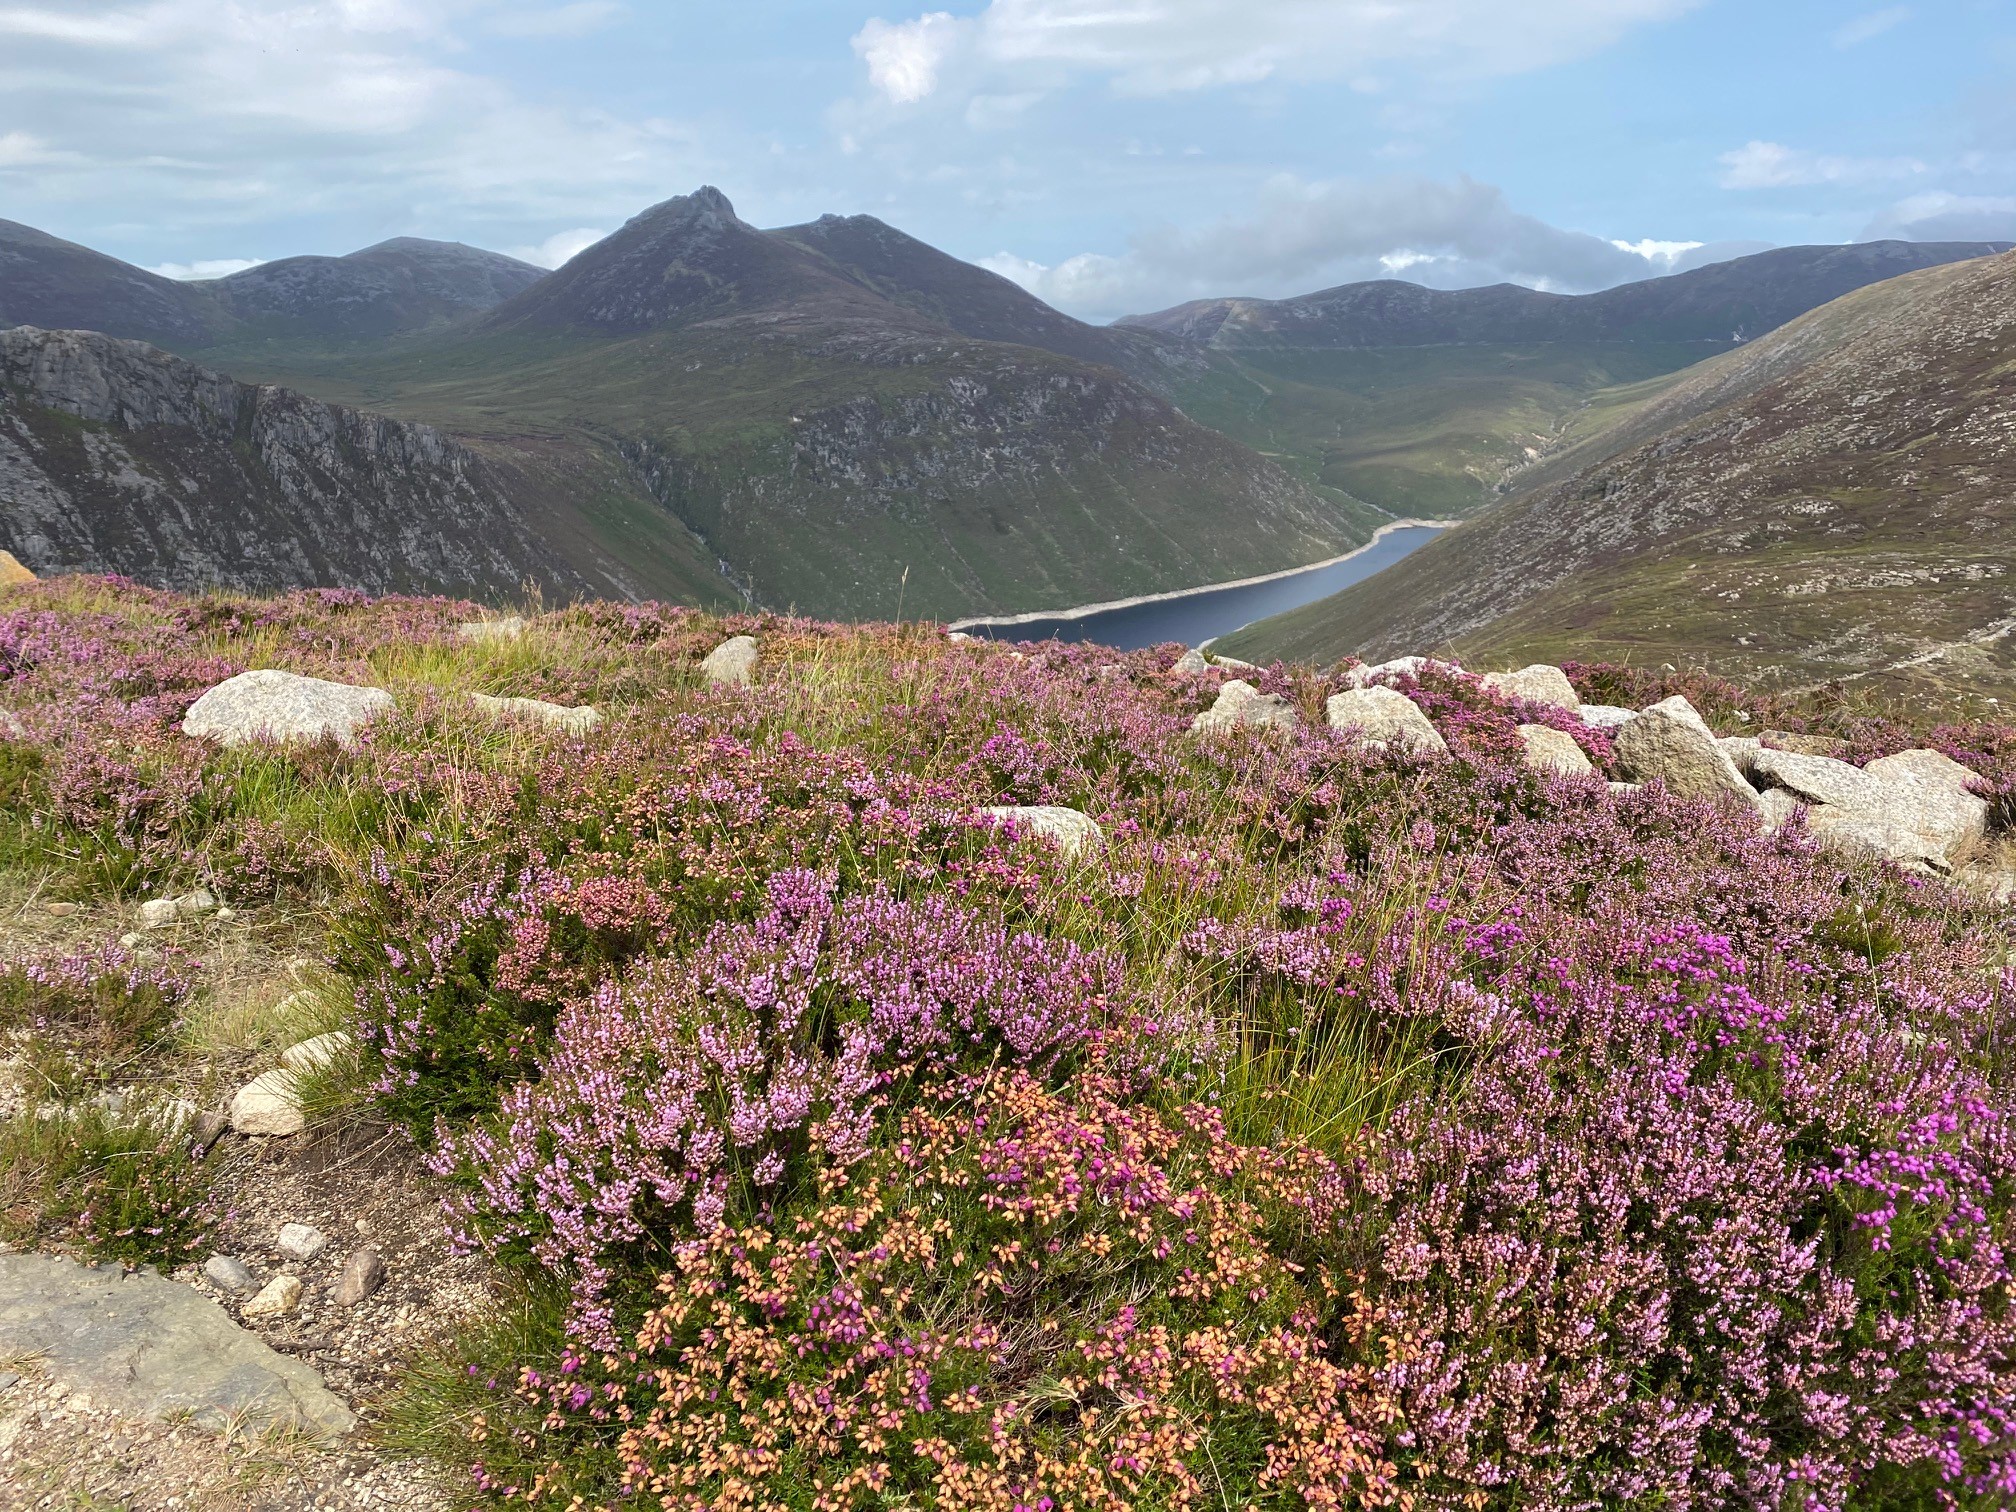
column 116, row 457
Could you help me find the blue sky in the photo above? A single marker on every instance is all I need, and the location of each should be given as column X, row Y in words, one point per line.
column 1113, row 155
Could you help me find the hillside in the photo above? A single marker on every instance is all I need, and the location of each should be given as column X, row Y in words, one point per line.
column 848, row 451
column 619, row 1056
column 1834, row 500
column 116, row 457
column 398, row 286
column 58, row 285
column 1428, row 402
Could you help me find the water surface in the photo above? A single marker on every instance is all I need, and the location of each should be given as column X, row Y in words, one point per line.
column 1205, row 613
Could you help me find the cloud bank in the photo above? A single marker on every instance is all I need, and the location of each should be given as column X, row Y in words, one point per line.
column 1304, row 236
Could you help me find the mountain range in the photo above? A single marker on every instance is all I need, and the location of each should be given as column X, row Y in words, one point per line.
column 1834, row 500
column 836, row 416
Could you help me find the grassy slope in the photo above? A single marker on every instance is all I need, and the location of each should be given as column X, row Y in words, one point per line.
column 1829, row 501
column 823, row 474
column 1428, row 432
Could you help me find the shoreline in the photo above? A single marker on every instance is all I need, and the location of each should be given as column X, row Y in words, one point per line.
column 1086, row 611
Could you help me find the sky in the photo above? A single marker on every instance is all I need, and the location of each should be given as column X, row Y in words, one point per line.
column 1114, row 156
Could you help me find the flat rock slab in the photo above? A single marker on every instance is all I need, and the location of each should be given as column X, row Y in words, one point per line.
column 150, row 1347
column 272, row 705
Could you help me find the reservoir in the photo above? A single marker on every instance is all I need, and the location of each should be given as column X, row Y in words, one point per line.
column 1201, row 614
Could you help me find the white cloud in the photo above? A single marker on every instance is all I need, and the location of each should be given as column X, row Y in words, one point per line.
column 1868, row 28
column 206, row 267
column 1305, row 236
column 903, row 59
column 575, row 20
column 20, row 150
column 197, row 114
column 557, row 248
column 1771, row 165
column 1940, row 216
column 1172, row 46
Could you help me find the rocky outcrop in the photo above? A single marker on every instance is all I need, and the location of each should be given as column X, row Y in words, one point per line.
column 1913, row 808
column 270, row 705
column 1539, row 684
column 155, row 1348
column 1670, row 743
column 1384, row 718
column 1239, row 703
column 116, row 457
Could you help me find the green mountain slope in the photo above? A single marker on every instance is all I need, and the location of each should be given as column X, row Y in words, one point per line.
column 1430, row 402
column 1836, row 499
column 824, row 438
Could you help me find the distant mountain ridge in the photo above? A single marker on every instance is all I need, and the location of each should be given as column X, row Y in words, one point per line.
column 1837, row 499
column 1737, row 300
column 397, row 287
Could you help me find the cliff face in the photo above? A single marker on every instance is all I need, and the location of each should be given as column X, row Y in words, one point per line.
column 116, row 457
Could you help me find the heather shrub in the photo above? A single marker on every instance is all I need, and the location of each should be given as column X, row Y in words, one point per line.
column 1021, row 1299
column 122, row 1182
column 105, row 1001
column 705, row 1085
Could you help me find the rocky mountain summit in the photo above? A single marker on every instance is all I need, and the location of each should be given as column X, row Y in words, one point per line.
column 403, row 285
column 1832, row 501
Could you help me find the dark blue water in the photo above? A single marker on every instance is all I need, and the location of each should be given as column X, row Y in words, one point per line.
column 1193, row 618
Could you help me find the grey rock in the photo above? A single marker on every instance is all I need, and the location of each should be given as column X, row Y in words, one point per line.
column 959, row 638
column 59, row 910
column 11, row 727
column 231, row 1273
column 363, row 1273
column 9, row 1378
column 149, row 1347
column 276, row 1299
column 1400, row 666
column 1233, row 664
column 732, row 662
column 1240, row 703
column 273, row 705
column 1070, row 831
column 157, row 913
column 1804, row 745
column 1619, row 789
column 1778, row 807
column 323, row 1050
column 1385, row 717
column 1861, row 832
column 301, row 1241
column 1743, row 751
column 1550, row 750
column 1913, row 806
column 1539, row 683
column 269, row 1104
column 1670, row 743
column 1191, row 664
column 1605, row 716
column 575, row 721
column 510, row 627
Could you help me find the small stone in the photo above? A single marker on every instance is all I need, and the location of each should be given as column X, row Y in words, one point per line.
column 157, row 913
column 301, row 1241
column 1385, row 717
column 11, row 726
column 958, row 638
column 1539, row 683
column 1605, row 716
column 226, row 915
column 61, row 910
column 1240, row 703
column 231, row 1273
column 194, row 905
column 207, row 1129
column 1066, row 828
column 363, row 1274
column 1621, row 788
column 577, row 720
column 280, row 1296
column 1232, row 663
column 731, row 663
column 1191, row 664
column 269, row 1104
column 1551, row 750
column 509, row 627
column 323, row 1050
column 131, row 939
